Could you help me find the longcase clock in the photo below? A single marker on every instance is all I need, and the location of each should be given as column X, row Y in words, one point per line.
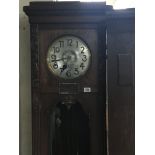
column 68, row 63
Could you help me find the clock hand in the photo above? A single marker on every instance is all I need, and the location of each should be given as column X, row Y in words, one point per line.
column 63, row 68
column 59, row 59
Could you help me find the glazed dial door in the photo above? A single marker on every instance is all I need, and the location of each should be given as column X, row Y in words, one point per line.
column 68, row 57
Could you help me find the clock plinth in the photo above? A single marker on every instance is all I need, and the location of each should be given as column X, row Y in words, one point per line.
column 68, row 47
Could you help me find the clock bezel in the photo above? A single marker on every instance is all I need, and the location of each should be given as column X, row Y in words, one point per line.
column 90, row 61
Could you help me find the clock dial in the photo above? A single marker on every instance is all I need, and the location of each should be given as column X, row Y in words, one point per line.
column 68, row 57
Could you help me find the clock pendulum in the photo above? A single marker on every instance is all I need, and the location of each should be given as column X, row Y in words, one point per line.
column 69, row 130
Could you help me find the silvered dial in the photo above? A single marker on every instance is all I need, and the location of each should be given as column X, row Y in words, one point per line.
column 68, row 57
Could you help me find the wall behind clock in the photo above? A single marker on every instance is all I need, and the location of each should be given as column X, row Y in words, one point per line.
column 24, row 72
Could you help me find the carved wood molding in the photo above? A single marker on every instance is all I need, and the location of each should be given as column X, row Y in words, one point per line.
column 34, row 56
column 36, row 110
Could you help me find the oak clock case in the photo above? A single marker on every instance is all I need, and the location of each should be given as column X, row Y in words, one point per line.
column 68, row 51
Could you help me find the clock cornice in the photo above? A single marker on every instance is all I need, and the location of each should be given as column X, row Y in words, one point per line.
column 66, row 12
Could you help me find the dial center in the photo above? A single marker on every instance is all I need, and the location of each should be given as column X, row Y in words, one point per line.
column 69, row 56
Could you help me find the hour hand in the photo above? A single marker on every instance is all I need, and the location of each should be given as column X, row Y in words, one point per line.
column 63, row 68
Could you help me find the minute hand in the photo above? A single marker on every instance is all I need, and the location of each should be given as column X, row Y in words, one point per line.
column 59, row 59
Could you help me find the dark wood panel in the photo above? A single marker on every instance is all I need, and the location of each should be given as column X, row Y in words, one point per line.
column 121, row 104
column 46, row 93
column 125, row 73
column 50, row 83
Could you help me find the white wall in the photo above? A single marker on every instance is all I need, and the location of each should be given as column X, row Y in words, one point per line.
column 24, row 72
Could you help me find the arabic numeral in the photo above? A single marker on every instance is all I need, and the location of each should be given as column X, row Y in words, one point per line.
column 82, row 50
column 68, row 73
column 55, row 65
column 82, row 66
column 53, row 57
column 84, row 58
column 77, row 44
column 76, row 72
column 69, row 42
column 56, row 49
column 61, row 70
column 61, row 43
